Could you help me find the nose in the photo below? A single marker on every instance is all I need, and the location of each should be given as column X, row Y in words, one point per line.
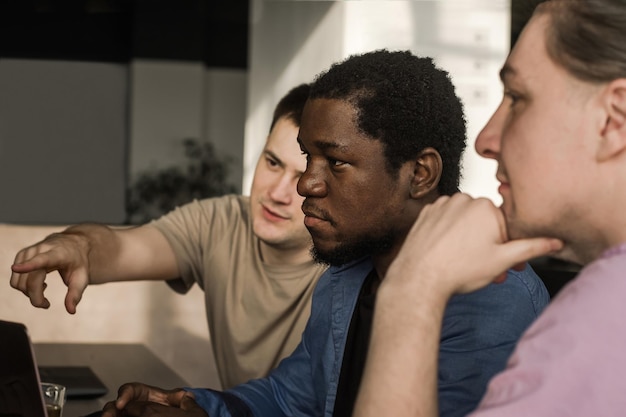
column 488, row 140
column 283, row 189
column 311, row 182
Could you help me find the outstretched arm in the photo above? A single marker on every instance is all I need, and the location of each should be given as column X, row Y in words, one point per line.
column 92, row 254
column 457, row 245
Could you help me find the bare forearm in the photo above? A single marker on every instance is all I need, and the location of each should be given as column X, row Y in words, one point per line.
column 102, row 247
column 92, row 254
column 124, row 253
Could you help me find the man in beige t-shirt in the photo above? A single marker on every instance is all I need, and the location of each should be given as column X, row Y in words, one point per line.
column 250, row 255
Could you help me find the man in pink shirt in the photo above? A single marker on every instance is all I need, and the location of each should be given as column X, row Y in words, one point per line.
column 559, row 137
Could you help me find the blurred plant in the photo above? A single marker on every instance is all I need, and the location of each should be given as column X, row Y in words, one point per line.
column 156, row 192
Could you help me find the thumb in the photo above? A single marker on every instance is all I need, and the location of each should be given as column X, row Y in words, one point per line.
column 188, row 403
column 76, row 284
column 73, row 297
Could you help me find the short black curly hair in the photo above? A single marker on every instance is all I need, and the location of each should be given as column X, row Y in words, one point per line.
column 406, row 102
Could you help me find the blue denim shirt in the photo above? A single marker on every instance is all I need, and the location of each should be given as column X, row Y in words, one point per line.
column 478, row 335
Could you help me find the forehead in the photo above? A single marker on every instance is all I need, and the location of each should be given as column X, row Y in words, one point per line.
column 283, row 143
column 529, row 56
column 330, row 111
column 327, row 122
column 530, row 68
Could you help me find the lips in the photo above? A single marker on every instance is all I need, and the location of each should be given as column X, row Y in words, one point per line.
column 310, row 211
column 312, row 222
column 501, row 177
column 313, row 217
column 273, row 215
column 504, row 187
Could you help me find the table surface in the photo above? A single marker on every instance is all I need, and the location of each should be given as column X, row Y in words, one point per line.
column 115, row 364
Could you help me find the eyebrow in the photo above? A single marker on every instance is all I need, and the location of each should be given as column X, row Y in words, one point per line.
column 326, row 145
column 279, row 161
column 274, row 156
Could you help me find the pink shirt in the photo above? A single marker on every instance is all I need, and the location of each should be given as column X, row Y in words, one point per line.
column 572, row 360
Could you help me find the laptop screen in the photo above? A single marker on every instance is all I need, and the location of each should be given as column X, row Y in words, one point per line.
column 20, row 387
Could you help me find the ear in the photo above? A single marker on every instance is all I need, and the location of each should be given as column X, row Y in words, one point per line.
column 426, row 173
column 613, row 137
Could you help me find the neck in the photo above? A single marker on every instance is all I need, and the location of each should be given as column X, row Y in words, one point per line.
column 272, row 255
column 382, row 261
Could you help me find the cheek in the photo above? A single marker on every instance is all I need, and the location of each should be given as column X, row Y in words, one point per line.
column 538, row 152
column 521, row 150
column 364, row 208
column 534, row 181
column 262, row 181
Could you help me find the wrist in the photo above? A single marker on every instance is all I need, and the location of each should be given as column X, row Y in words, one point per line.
column 416, row 282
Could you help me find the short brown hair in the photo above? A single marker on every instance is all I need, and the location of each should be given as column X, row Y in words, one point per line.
column 291, row 105
column 587, row 37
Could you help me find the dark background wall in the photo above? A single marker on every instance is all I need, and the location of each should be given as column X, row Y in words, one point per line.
column 64, row 94
column 214, row 32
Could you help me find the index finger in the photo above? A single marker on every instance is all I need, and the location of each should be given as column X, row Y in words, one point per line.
column 41, row 261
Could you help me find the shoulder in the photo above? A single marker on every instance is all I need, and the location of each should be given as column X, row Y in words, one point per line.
column 527, row 282
column 350, row 275
column 505, row 308
column 234, row 201
column 522, row 290
column 340, row 281
column 563, row 344
column 207, row 217
column 207, row 206
column 227, row 208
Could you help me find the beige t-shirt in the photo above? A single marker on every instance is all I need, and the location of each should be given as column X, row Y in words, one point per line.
column 256, row 312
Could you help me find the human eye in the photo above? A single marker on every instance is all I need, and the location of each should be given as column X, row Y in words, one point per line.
column 511, row 96
column 271, row 161
column 335, row 163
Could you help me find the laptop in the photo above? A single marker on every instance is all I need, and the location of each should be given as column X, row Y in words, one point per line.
column 79, row 381
column 20, row 386
column 20, row 377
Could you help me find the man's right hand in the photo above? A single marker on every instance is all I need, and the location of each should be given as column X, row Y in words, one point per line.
column 141, row 400
column 66, row 253
column 460, row 244
column 93, row 254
